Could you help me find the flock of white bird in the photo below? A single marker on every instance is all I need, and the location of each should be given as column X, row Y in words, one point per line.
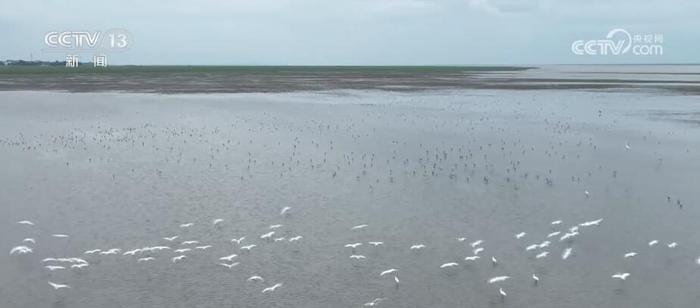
column 178, row 251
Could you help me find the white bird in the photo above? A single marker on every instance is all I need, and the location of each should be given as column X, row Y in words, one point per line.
column 472, row 258
column 112, row 251
column 178, row 258
column 204, row 247
column 255, row 278
column 358, row 227
column 630, row 254
column 652, row 243
column 296, row 238
column 449, row 264
column 417, row 246
column 274, row 226
column 145, row 259
column 217, row 221
column 591, row 223
column 389, row 271
column 81, row 265
column 187, row 225
column 170, row 239
column 57, row 286
column 565, row 255
column 503, row 293
column 396, row 279
column 239, row 240
column 20, row 250
column 697, row 261
column 531, row 247
column 285, row 210
column 131, row 252
column 267, row 235
column 544, row 244
column 25, row 222
column 535, row 279
column 272, row 288
column 182, row 250
column 230, row 266
column 353, row 246
column 189, row 242
column 229, row 258
column 556, row 222
column 621, row 276
column 461, row 239
column 498, row 279
column 672, row 245
column 54, row 267
column 89, row 252
column 249, row 247
column 520, row 235
column 494, row 261
column 357, row 257
column 59, row 235
column 568, row 236
column 29, row 240
column 542, row 255
column 627, row 145
column 476, row 243
column 478, row 250
column 553, row 234
column 375, row 244
column 585, row 192
column 374, row 302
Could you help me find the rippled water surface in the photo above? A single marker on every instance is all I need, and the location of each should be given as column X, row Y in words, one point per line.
column 115, row 170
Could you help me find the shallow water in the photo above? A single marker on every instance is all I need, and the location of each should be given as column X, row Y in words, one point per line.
column 115, row 170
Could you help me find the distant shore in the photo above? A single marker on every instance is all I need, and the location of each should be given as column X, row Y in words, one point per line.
column 265, row 79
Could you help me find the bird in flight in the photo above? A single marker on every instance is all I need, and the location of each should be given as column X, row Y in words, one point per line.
column 255, row 278
column 296, row 238
column 187, row 225
column 417, row 246
column 358, row 257
column 285, row 210
column 374, row 302
column 358, row 227
column 472, row 258
column 389, row 271
column 228, row 258
column 520, row 235
column 652, row 243
column 20, row 250
column 170, row 239
column 498, row 279
column 145, row 259
column 449, row 264
column 375, row 244
column 178, row 258
column 272, row 288
column 565, row 255
column 621, row 276
column 249, row 247
column 630, row 254
column 217, row 221
column 57, row 286
column 230, row 266
column 238, row 240
column 25, row 222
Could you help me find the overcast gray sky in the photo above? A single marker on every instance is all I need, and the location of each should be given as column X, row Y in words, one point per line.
column 355, row 32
